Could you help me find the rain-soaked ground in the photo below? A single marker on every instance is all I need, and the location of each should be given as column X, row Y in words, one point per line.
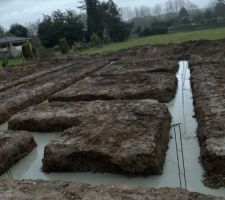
column 182, row 111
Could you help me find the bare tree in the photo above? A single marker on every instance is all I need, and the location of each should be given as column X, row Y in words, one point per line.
column 127, row 13
column 33, row 28
column 2, row 31
column 169, row 6
column 145, row 11
column 157, row 10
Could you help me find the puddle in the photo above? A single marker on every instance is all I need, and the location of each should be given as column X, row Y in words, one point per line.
column 182, row 112
column 4, row 127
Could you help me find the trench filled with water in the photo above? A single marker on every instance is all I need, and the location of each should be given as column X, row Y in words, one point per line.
column 182, row 111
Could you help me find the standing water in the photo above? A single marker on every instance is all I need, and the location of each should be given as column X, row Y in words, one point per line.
column 182, row 111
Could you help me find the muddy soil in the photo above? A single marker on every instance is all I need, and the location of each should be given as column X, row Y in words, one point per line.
column 159, row 86
column 124, row 137
column 167, row 52
column 205, row 50
column 36, row 189
column 58, row 116
column 137, row 65
column 208, row 85
column 13, row 147
column 38, row 90
column 15, row 75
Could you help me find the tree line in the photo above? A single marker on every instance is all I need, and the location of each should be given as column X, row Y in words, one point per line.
column 100, row 21
column 177, row 14
column 103, row 22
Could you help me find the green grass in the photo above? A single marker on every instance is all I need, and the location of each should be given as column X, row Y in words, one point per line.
column 15, row 61
column 207, row 34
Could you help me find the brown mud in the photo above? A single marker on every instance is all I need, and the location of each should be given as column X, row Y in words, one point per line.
column 208, row 85
column 53, row 190
column 13, row 147
column 40, row 89
column 127, row 137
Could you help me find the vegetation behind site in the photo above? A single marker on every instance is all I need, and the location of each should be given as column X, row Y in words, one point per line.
column 102, row 27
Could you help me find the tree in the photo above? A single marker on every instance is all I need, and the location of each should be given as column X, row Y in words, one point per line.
column 94, row 20
column 18, row 30
column 220, row 8
column 104, row 19
column 208, row 14
column 157, row 10
column 60, row 25
column 33, row 29
column 46, row 32
column 183, row 16
column 74, row 27
column 2, row 31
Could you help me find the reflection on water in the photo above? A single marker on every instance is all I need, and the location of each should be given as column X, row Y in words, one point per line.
column 182, row 111
column 4, row 127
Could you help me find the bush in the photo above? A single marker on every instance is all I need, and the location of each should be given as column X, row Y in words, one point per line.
column 120, row 31
column 43, row 53
column 27, row 50
column 159, row 30
column 154, row 31
column 145, row 32
column 63, row 45
column 5, row 62
column 95, row 39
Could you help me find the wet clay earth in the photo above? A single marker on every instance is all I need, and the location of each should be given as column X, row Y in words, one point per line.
column 209, row 88
column 40, row 89
column 20, row 190
column 110, row 135
column 13, row 147
column 126, row 130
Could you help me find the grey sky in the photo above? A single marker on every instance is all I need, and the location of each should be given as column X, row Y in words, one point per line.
column 25, row 11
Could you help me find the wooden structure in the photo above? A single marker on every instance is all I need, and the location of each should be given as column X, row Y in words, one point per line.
column 11, row 46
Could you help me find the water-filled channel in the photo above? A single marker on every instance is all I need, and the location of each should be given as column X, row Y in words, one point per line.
column 182, row 111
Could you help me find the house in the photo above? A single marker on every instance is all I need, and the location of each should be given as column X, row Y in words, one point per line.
column 11, row 46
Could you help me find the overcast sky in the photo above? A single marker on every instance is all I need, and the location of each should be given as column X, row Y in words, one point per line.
column 25, row 11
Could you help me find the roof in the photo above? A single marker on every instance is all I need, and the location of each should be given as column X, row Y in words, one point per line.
column 8, row 39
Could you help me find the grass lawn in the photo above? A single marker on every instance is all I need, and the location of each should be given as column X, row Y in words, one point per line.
column 15, row 61
column 208, row 34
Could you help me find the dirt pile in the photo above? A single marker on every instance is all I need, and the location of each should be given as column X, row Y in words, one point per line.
column 159, row 86
column 208, row 85
column 128, row 137
column 13, row 147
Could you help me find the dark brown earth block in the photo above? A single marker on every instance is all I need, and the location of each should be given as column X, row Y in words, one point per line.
column 208, row 85
column 130, row 138
column 159, row 86
column 13, row 147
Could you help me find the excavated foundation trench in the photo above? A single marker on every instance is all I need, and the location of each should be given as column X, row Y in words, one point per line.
column 182, row 111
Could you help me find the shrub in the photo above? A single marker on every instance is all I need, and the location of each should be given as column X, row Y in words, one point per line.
column 63, row 45
column 159, row 30
column 95, row 39
column 120, row 31
column 145, row 32
column 5, row 62
column 154, row 31
column 27, row 50
column 44, row 53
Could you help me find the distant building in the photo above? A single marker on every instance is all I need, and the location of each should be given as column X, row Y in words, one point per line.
column 11, row 46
